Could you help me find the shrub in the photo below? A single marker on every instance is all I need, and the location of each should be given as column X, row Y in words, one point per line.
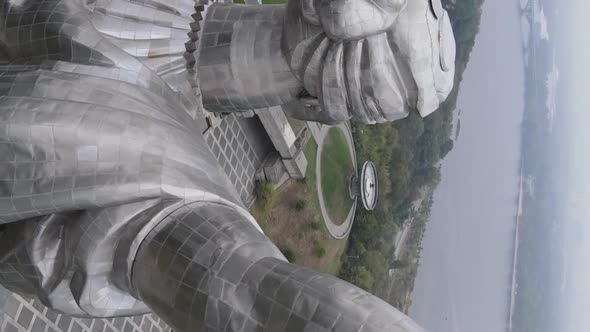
column 289, row 255
column 362, row 278
column 301, row 236
column 399, row 264
column 266, row 195
column 300, row 205
column 315, row 225
column 321, row 252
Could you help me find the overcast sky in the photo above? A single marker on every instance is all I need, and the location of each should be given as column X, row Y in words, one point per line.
column 464, row 278
column 574, row 99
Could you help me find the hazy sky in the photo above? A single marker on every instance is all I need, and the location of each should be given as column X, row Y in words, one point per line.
column 574, row 101
column 464, row 279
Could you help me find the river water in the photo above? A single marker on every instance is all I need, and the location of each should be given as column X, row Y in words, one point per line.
column 463, row 283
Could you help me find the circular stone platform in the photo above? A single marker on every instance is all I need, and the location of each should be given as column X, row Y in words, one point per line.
column 338, row 231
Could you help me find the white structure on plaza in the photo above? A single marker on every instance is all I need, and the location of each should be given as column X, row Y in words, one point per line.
column 365, row 186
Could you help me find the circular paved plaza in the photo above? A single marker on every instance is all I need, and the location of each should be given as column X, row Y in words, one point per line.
column 336, row 229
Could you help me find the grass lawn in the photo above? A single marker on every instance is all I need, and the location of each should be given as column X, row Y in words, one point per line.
column 296, row 124
column 336, row 167
column 303, row 231
column 310, row 150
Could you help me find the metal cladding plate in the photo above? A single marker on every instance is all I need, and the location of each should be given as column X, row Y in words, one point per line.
column 110, row 201
column 241, row 66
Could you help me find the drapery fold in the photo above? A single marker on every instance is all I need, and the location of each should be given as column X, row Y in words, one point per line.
column 371, row 70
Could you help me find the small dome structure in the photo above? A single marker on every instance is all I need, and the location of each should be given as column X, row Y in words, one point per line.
column 365, row 186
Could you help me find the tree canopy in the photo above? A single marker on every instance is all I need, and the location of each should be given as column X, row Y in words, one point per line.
column 407, row 156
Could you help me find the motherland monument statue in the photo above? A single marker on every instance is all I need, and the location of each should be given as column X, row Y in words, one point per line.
column 111, row 203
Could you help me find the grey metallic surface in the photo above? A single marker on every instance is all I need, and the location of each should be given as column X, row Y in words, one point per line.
column 205, row 267
column 241, row 65
column 101, row 161
column 235, row 138
column 95, row 143
column 329, row 61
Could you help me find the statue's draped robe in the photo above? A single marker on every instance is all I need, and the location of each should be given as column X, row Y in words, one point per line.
column 96, row 144
column 86, row 163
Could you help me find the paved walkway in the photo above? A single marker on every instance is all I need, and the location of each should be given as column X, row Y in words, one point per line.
column 342, row 230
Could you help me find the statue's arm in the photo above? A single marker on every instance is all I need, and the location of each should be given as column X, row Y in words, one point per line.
column 205, row 267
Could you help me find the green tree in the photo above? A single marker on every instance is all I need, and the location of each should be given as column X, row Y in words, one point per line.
column 300, row 205
column 375, row 263
column 321, row 252
column 266, row 195
column 406, row 154
column 399, row 264
column 446, row 147
column 362, row 278
column 289, row 255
